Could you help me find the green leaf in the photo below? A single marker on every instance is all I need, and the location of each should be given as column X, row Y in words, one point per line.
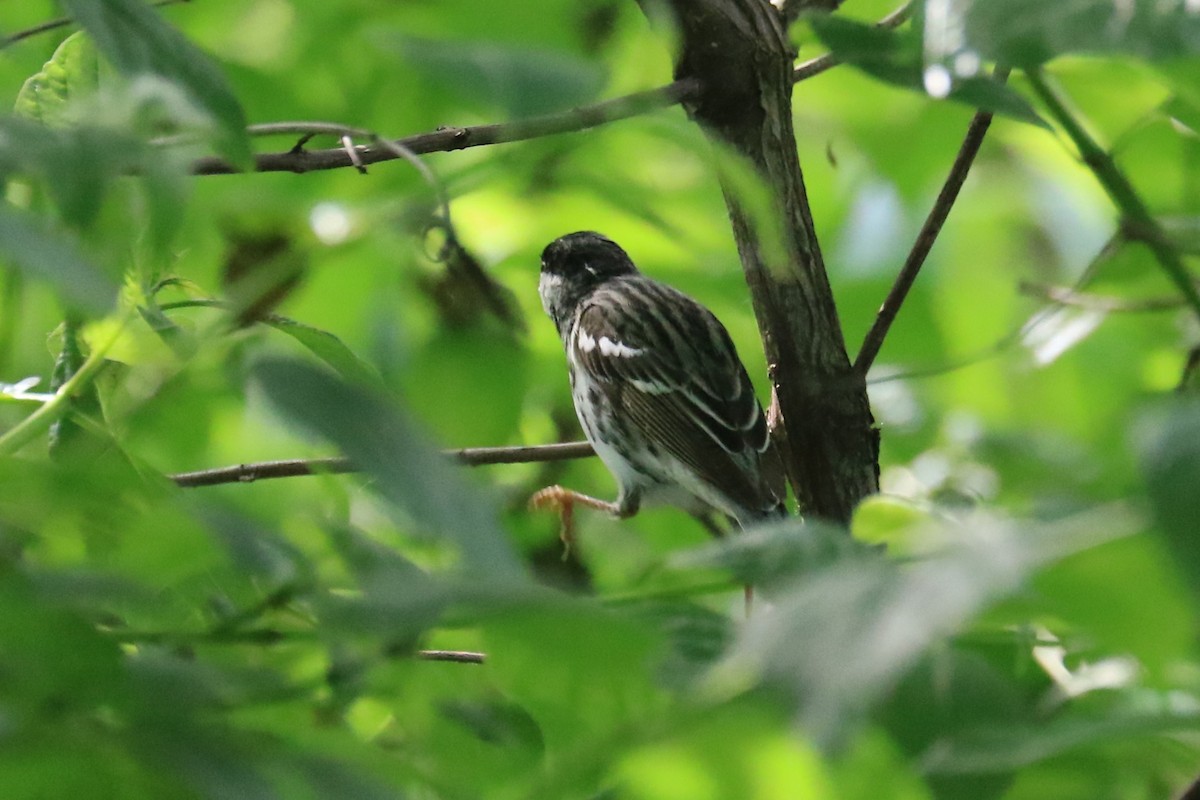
column 897, row 57
column 395, row 597
column 874, row 618
column 522, row 81
column 70, row 73
column 1184, row 231
column 380, row 439
column 67, row 432
column 1027, row 33
column 595, row 681
column 327, row 347
column 996, row 748
column 53, row 257
column 1168, row 442
column 769, row 555
column 950, row 692
column 137, row 41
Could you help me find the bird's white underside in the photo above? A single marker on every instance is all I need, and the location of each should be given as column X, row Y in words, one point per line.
column 678, row 484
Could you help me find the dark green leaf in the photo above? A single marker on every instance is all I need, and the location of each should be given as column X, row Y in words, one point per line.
column 518, row 80
column 67, row 432
column 53, row 257
column 1027, row 33
column 1168, row 441
column 381, row 440
column 874, row 618
column 137, row 41
column 950, row 692
column 327, row 347
column 775, row 553
column 898, row 58
column 1002, row 748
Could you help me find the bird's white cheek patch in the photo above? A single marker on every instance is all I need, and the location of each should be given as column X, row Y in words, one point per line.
column 548, row 289
column 610, row 348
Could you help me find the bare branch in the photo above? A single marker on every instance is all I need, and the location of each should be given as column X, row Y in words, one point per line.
column 448, row 139
column 455, row 656
column 471, row 457
column 264, row 637
column 815, row 66
column 925, row 239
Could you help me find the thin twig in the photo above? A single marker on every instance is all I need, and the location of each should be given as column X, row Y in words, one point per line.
column 455, row 656
column 925, row 239
column 62, row 23
column 1107, row 252
column 1066, row 296
column 470, row 456
column 448, row 139
column 815, row 66
column 308, row 127
column 1137, row 221
column 1191, row 367
column 263, row 637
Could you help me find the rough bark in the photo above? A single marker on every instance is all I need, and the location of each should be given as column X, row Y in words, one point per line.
column 738, row 52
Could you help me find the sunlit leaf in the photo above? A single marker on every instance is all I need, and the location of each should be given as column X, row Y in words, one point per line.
column 69, row 74
column 595, row 678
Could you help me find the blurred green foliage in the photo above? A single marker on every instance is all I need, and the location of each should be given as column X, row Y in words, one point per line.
column 1029, row 631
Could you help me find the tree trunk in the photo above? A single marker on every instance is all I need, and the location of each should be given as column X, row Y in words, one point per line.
column 739, row 53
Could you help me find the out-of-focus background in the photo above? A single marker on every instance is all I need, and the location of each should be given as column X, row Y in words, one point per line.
column 1030, row 633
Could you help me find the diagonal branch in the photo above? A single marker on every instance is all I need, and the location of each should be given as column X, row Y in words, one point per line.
column 448, row 139
column 925, row 239
column 1067, row 296
column 815, row 66
column 470, row 456
column 1137, row 221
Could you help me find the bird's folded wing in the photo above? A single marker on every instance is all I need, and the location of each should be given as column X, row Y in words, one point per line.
column 679, row 381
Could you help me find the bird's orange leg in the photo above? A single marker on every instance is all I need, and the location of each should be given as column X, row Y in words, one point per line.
column 564, row 501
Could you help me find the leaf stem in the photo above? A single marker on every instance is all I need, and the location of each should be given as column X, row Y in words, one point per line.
column 1137, row 221
column 52, row 410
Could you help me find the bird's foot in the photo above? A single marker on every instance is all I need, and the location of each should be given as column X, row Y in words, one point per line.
column 564, row 501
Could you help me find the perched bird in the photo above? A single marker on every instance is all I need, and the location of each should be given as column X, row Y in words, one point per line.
column 659, row 390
